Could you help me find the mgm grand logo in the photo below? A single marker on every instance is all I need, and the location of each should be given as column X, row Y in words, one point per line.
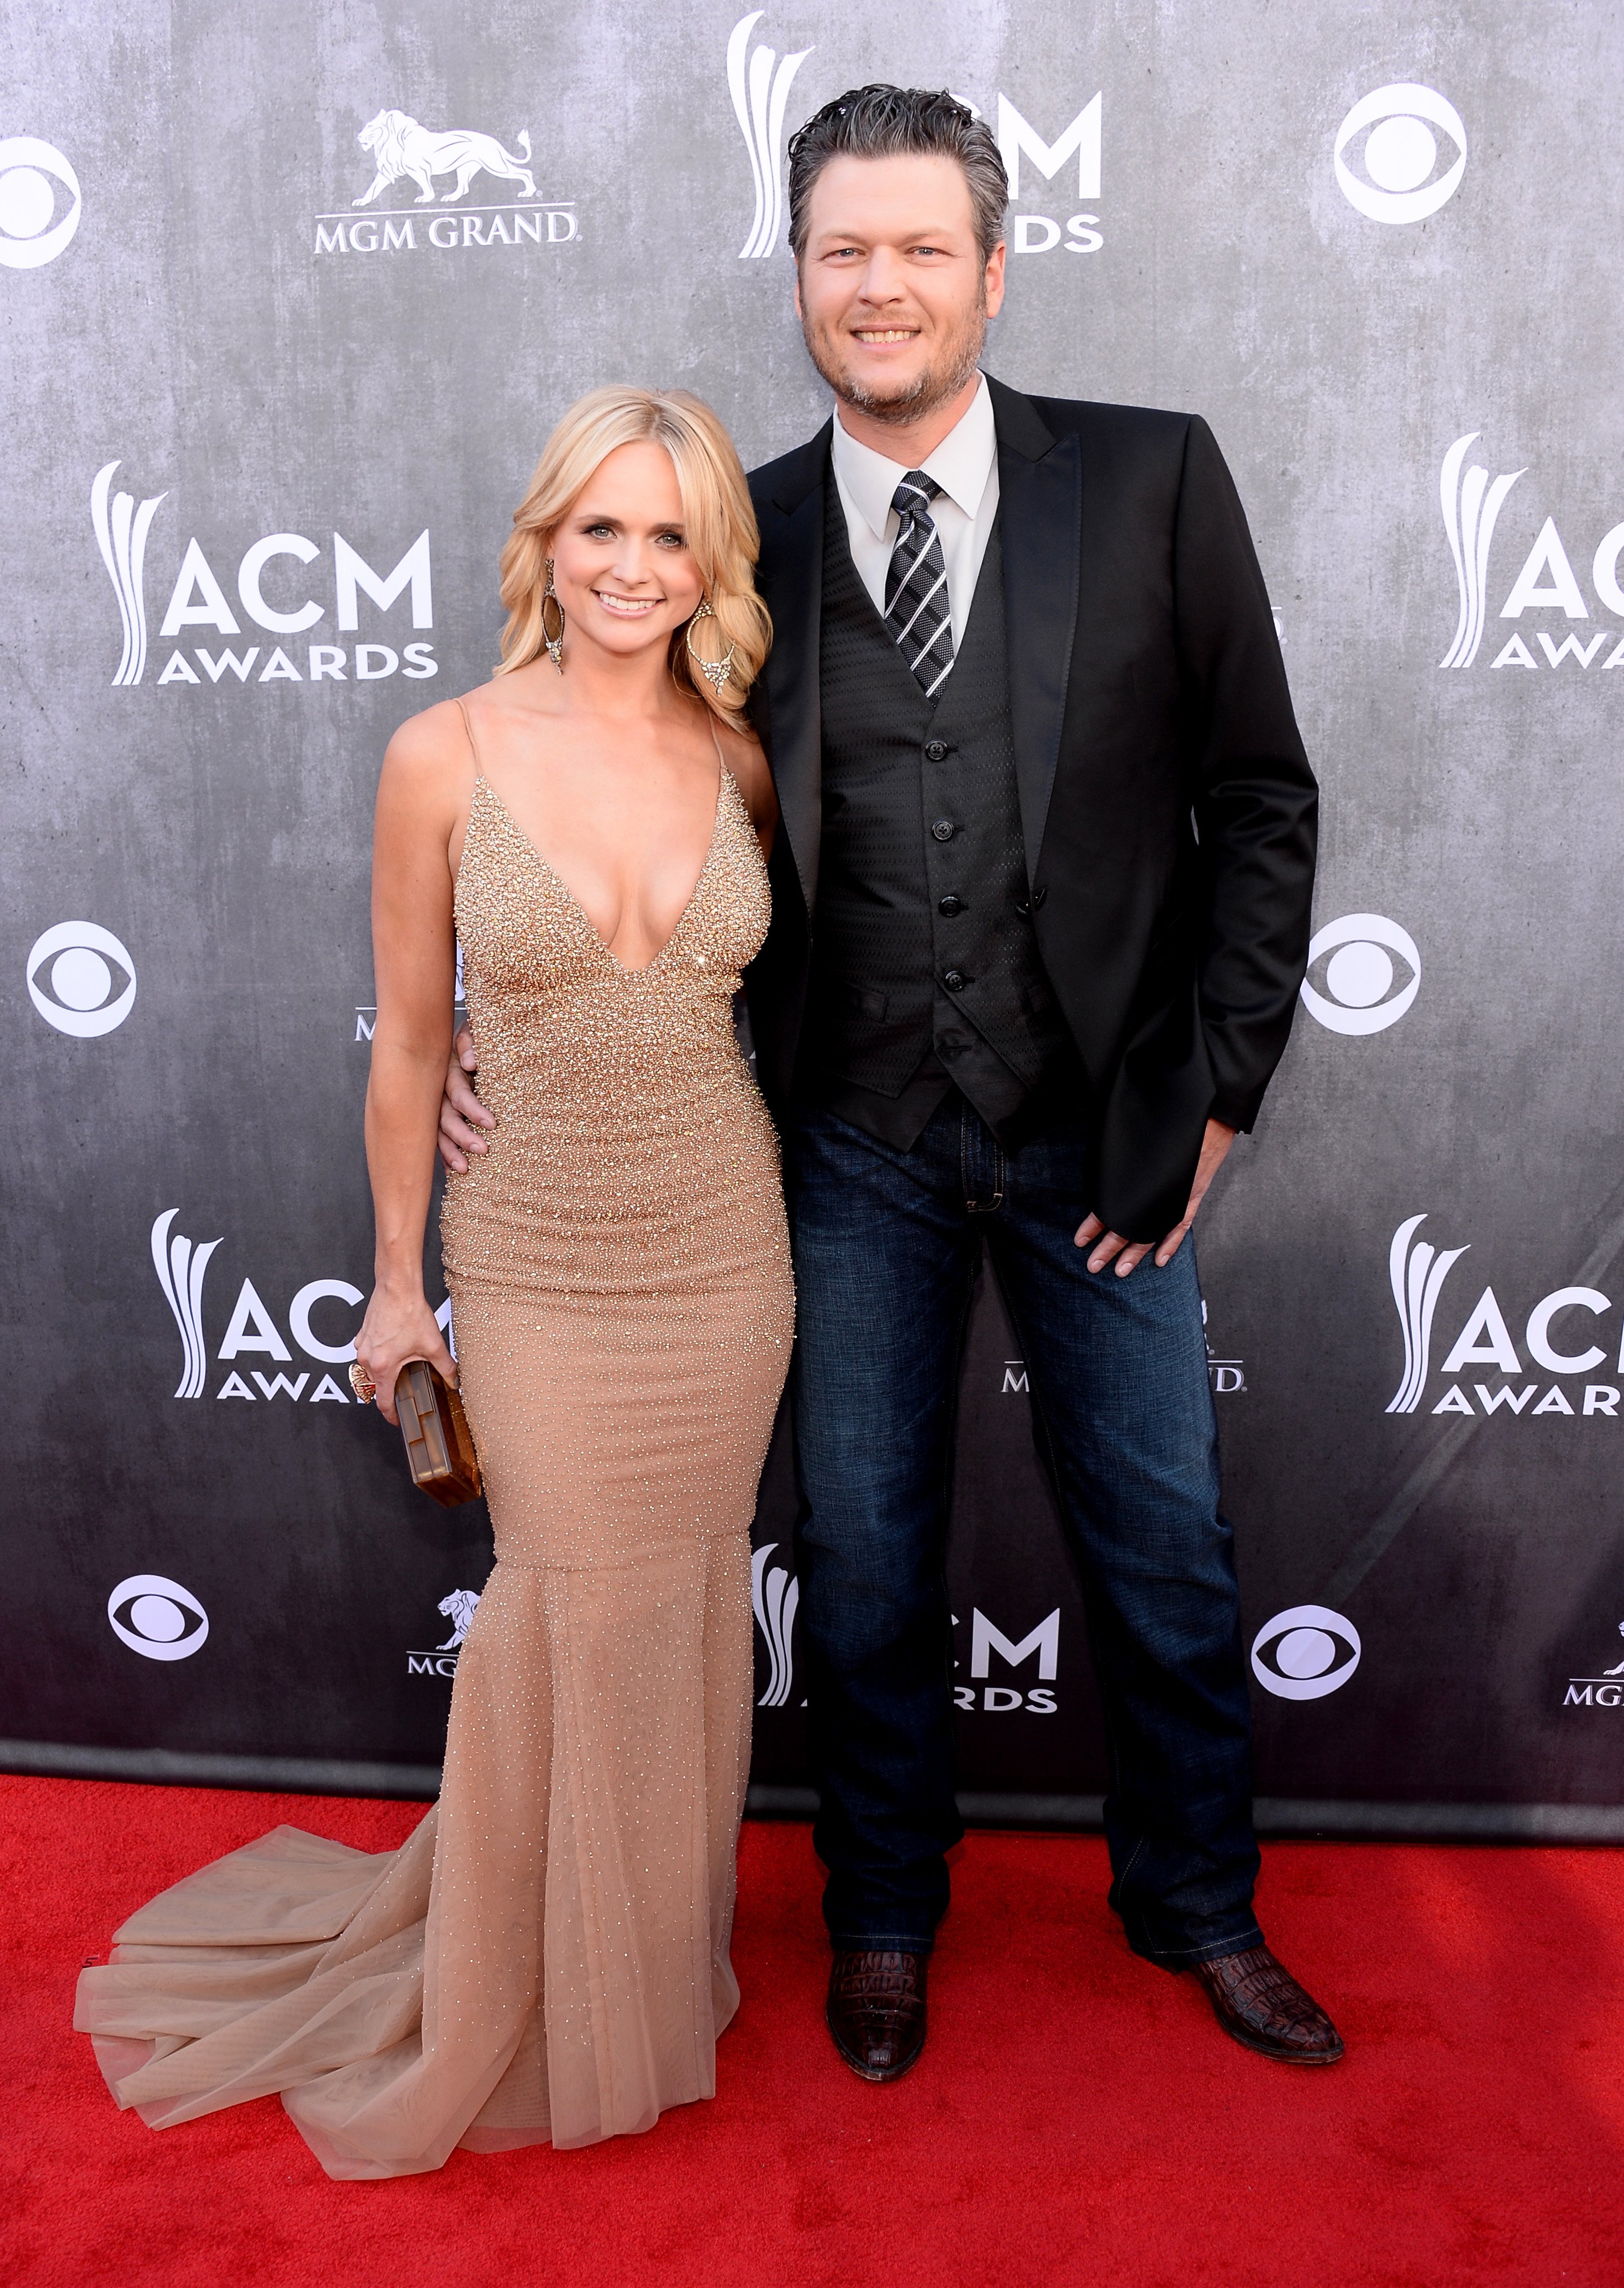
column 441, row 1660
column 406, row 155
column 1603, row 1691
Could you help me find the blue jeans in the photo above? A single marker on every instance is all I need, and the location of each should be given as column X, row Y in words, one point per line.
column 885, row 1247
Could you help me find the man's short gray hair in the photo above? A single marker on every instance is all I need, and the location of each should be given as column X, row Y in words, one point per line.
column 892, row 123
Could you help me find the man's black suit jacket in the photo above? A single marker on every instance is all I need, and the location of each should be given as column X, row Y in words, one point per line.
column 1167, row 805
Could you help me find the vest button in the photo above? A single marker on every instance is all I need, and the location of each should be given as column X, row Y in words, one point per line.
column 950, row 905
column 943, row 829
column 955, row 981
column 936, row 750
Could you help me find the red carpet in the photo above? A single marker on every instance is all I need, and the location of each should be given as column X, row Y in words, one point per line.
column 1078, row 2117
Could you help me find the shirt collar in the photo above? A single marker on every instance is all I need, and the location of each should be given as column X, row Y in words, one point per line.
column 961, row 464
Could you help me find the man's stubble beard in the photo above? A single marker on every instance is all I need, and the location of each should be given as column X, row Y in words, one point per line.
column 938, row 384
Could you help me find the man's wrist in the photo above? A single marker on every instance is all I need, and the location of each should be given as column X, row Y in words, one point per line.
column 1229, row 1112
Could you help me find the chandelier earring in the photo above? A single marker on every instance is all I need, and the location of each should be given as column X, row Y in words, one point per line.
column 717, row 673
column 552, row 632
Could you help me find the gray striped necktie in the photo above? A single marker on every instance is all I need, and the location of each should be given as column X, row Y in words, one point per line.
column 916, row 608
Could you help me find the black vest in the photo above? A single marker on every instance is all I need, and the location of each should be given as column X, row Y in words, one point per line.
column 924, row 964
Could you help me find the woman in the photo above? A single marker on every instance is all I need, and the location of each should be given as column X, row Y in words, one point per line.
column 547, row 1956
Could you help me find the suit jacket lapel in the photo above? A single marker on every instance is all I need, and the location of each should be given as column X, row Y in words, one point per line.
column 1040, row 493
column 791, row 579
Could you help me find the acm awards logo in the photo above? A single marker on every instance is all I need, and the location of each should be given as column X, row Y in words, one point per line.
column 1472, row 502
column 1568, row 1317
column 197, row 600
column 1389, row 136
column 1018, row 140
column 39, row 203
column 254, row 1332
column 403, row 152
column 81, row 979
column 759, row 80
column 759, row 84
column 775, row 1596
column 1041, row 1642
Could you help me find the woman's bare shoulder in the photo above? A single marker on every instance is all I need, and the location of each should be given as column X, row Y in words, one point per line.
column 742, row 751
column 429, row 754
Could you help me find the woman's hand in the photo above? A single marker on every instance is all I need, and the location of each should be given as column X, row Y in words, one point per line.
column 398, row 1327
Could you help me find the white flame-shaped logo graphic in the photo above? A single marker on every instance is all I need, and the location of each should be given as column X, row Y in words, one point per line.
column 1472, row 507
column 760, row 95
column 774, row 1597
column 121, row 535
column 180, row 1267
column 1418, row 1274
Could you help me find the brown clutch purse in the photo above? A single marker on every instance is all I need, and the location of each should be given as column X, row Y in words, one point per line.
column 438, row 1445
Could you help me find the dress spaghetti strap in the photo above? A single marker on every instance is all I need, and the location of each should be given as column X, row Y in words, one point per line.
column 721, row 758
column 473, row 748
column 479, row 778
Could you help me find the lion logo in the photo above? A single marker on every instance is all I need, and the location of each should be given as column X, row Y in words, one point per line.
column 458, row 1609
column 401, row 146
column 1618, row 1670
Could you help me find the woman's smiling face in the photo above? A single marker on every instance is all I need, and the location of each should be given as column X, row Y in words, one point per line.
column 621, row 565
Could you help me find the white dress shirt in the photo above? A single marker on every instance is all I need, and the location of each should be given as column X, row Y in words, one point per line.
column 964, row 464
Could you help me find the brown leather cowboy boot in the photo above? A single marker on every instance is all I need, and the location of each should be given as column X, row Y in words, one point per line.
column 877, row 2011
column 1258, row 2002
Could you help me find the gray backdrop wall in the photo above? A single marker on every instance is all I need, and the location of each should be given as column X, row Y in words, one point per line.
column 270, row 397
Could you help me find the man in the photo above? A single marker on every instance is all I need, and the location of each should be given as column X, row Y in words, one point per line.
column 1040, row 911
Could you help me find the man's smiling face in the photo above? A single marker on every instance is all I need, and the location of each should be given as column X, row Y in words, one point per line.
column 892, row 293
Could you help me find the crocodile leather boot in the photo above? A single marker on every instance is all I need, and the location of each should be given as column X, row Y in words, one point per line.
column 877, row 2011
column 1258, row 2002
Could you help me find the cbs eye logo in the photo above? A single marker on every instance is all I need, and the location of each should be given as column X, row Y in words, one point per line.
column 1305, row 1652
column 1353, row 983
column 33, row 228
column 1389, row 134
column 81, row 979
column 157, row 1618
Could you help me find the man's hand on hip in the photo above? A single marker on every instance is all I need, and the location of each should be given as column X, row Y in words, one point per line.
column 1110, row 1246
column 463, row 1118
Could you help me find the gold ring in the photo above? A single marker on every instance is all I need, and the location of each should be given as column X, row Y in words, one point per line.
column 362, row 1384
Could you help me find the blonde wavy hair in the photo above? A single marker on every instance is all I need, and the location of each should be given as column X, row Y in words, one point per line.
column 718, row 524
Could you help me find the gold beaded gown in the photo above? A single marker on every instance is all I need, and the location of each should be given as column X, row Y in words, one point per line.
column 547, row 1955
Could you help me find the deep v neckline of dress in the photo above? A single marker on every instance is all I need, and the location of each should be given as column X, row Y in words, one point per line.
column 722, row 776
column 573, row 903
